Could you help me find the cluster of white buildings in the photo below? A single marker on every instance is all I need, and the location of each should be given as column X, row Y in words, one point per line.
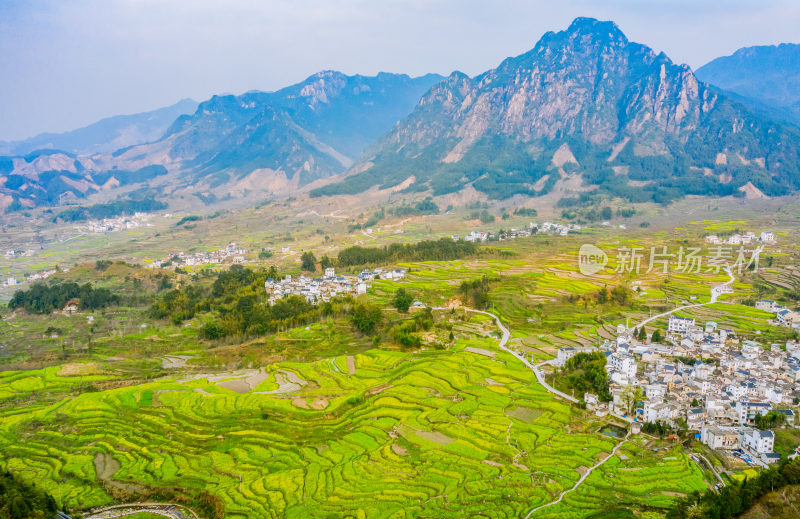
column 741, row 239
column 118, row 223
column 749, row 443
column 16, row 253
column 783, row 316
column 322, row 289
column 554, row 228
column 368, row 276
column 38, row 276
column 230, row 253
column 513, row 233
column 736, row 381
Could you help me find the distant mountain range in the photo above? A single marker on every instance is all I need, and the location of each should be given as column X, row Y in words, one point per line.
column 585, row 112
column 310, row 130
column 588, row 109
column 765, row 78
column 105, row 135
column 231, row 145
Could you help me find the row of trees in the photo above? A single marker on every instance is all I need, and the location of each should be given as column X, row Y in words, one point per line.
column 738, row 497
column 426, row 250
column 43, row 299
column 110, row 210
column 658, row 428
column 641, row 334
column 427, row 206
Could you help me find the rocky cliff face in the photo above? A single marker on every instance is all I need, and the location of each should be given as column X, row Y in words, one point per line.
column 613, row 102
column 588, row 81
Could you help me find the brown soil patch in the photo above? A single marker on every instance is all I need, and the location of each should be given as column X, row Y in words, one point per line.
column 254, row 380
column 480, row 351
column 105, row 465
column 351, row 365
column 239, row 385
column 377, row 389
column 78, row 369
column 491, row 463
column 752, row 192
column 319, row 404
column 399, row 450
column 301, row 403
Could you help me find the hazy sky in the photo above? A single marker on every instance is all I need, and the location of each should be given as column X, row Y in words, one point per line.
column 67, row 63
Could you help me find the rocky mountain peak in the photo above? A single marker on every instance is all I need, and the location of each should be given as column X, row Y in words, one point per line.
column 616, row 103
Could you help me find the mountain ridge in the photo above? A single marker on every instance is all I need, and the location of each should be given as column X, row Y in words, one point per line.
column 107, row 134
column 766, row 78
column 262, row 140
column 630, row 115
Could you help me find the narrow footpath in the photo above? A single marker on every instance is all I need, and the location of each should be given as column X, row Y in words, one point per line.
column 539, row 376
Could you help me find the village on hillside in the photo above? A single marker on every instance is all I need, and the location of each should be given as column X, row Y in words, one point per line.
column 230, row 252
column 322, row 289
column 118, row 223
column 552, row 228
column 721, row 396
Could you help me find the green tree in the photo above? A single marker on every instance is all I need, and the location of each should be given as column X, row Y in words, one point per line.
column 402, row 300
column 642, row 334
column 656, row 336
column 308, row 262
column 212, row 330
column 325, row 262
column 366, row 316
column 771, row 420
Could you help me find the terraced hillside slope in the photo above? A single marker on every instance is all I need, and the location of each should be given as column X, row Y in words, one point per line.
column 462, row 432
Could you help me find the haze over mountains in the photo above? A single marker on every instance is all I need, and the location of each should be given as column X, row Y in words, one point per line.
column 106, row 135
column 766, row 78
column 231, row 145
column 584, row 110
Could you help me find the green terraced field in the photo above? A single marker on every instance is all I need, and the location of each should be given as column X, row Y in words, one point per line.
column 430, row 433
column 434, row 433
